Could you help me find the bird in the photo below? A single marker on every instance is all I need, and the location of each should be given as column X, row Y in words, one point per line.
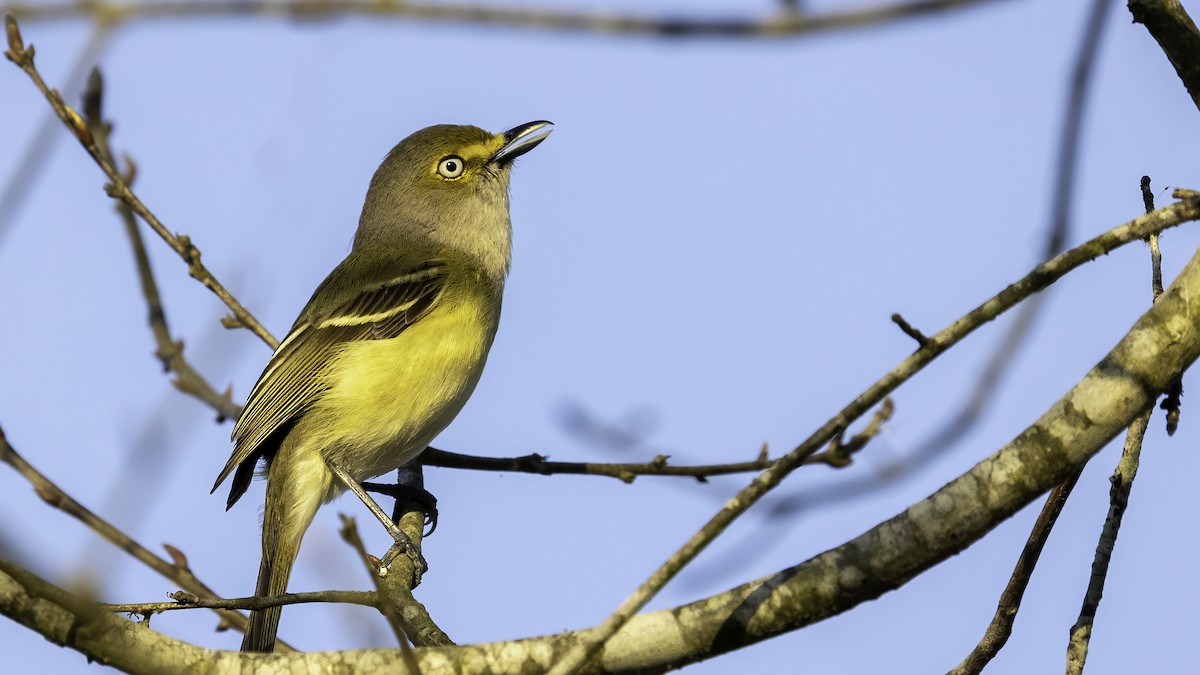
column 391, row 344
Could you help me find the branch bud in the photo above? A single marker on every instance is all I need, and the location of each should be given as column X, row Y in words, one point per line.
column 16, row 45
column 79, row 127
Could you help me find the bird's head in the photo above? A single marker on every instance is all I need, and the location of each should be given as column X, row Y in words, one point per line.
column 448, row 183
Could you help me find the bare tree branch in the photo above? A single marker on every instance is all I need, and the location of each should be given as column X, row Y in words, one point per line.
column 999, row 630
column 960, row 422
column 1041, row 277
column 1122, row 483
column 69, row 621
column 1176, row 33
column 118, row 189
column 387, row 606
column 1156, row 349
column 177, row 571
column 1173, row 402
column 394, row 583
column 538, row 464
column 184, row 600
column 398, row 583
column 908, row 330
column 168, row 350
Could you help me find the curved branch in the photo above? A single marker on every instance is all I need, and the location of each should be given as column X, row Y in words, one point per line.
column 177, row 570
column 113, row 640
column 1041, row 277
column 168, row 350
column 1160, row 345
column 118, row 188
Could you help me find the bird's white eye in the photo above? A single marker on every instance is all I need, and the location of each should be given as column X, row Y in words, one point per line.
column 450, row 167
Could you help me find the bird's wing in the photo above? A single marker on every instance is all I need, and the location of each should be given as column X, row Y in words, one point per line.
column 374, row 306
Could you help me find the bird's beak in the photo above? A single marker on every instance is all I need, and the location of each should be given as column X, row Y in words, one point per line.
column 520, row 140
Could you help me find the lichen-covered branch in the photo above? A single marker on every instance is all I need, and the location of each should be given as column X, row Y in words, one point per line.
column 1041, row 277
column 104, row 637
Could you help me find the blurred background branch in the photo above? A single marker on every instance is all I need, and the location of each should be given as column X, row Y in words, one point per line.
column 781, row 24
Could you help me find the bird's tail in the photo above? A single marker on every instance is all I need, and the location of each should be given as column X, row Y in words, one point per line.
column 292, row 500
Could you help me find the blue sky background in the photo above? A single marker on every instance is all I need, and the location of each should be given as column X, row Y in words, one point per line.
column 707, row 250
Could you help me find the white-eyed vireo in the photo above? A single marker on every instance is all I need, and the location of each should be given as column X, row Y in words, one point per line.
column 390, row 345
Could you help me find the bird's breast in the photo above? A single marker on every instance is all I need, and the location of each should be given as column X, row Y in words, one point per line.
column 389, row 398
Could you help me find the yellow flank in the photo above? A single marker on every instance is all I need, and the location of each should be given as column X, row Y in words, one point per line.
column 390, row 398
column 308, row 481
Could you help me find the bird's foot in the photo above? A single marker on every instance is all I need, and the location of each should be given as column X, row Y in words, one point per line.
column 406, row 495
column 404, row 545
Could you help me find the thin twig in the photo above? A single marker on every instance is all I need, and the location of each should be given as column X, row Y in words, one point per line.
column 909, row 330
column 1172, row 403
column 168, row 350
column 1118, row 495
column 999, row 630
column 177, row 570
column 840, row 453
column 538, row 464
column 1121, row 485
column 387, row 607
column 1156, row 284
column 1041, row 277
column 118, row 189
column 783, row 24
column 183, row 600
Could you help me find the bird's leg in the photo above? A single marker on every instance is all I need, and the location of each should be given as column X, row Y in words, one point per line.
column 408, row 489
column 402, row 542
